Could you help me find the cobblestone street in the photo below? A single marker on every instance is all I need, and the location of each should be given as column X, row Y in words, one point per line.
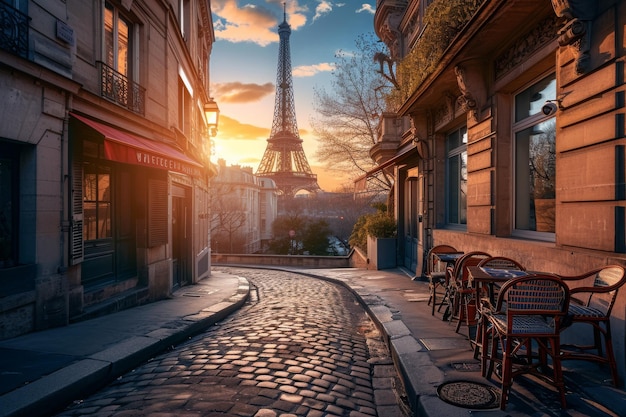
column 300, row 347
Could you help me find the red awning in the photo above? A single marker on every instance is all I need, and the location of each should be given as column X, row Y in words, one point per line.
column 127, row 148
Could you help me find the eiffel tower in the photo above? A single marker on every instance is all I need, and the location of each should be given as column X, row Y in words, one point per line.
column 284, row 160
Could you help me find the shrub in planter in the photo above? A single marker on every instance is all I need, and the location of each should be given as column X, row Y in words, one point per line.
column 381, row 225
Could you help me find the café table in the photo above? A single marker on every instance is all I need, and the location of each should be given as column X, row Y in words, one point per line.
column 449, row 258
column 488, row 279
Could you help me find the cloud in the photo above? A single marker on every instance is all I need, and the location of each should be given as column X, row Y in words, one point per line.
column 310, row 70
column 366, row 8
column 231, row 129
column 238, row 92
column 247, row 23
column 324, row 7
column 234, row 22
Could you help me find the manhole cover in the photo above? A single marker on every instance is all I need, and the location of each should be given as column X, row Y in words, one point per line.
column 469, row 394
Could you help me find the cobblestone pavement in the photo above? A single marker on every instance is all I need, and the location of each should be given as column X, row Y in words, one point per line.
column 300, row 347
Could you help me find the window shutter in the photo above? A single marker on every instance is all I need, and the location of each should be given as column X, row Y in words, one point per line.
column 157, row 212
column 76, row 233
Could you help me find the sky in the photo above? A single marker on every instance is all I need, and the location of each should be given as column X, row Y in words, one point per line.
column 244, row 62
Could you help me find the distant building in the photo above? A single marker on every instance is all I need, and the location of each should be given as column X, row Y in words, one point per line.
column 104, row 156
column 243, row 208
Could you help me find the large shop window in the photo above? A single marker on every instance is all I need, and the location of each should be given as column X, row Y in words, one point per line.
column 535, row 161
column 456, row 177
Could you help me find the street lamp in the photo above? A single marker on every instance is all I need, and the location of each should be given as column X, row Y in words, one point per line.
column 212, row 114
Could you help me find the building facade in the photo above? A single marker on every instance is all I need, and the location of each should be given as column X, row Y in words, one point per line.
column 507, row 133
column 104, row 156
column 243, row 209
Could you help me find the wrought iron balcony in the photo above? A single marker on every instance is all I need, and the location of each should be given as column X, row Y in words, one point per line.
column 119, row 89
column 13, row 30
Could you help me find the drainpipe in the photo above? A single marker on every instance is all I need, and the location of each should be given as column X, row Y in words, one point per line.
column 66, row 189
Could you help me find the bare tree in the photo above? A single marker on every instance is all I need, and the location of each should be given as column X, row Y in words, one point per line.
column 347, row 116
column 228, row 217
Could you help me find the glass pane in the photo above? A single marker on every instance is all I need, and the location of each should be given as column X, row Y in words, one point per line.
column 530, row 101
column 104, row 187
column 463, row 189
column 535, row 177
column 91, row 186
column 90, row 221
column 456, row 145
column 109, row 55
column 456, row 139
column 453, row 189
column 123, row 34
column 104, row 220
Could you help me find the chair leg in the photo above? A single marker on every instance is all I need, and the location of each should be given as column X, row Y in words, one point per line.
column 610, row 354
column 478, row 342
column 493, row 352
column 507, row 372
column 557, row 369
column 458, row 312
column 488, row 342
column 444, row 300
column 597, row 340
column 433, row 296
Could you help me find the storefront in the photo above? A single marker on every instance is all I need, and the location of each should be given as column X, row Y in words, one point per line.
column 133, row 213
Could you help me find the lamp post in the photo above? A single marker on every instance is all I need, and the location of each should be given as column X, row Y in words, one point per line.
column 211, row 114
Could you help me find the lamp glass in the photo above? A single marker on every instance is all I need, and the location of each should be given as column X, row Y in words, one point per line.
column 211, row 112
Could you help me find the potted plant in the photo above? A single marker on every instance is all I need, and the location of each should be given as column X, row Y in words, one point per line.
column 381, row 232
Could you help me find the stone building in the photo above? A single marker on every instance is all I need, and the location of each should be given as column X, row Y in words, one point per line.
column 104, row 156
column 506, row 133
column 243, row 209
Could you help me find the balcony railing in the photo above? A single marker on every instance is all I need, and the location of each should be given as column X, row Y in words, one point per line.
column 13, row 30
column 119, row 89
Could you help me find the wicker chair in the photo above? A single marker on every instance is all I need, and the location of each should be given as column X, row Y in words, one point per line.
column 592, row 305
column 535, row 307
column 436, row 272
column 495, row 262
column 461, row 296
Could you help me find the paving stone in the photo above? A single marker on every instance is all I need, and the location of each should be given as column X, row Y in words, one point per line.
column 294, row 351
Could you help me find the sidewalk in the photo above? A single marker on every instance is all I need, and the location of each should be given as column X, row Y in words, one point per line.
column 44, row 369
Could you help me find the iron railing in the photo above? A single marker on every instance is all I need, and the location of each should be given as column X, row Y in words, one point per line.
column 13, row 30
column 119, row 89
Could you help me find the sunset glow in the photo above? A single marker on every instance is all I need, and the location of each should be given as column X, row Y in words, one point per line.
column 243, row 70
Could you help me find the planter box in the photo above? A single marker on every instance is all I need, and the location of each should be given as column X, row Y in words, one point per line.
column 381, row 252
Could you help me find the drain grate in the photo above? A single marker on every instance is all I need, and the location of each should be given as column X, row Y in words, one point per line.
column 469, row 394
column 198, row 293
column 466, row 367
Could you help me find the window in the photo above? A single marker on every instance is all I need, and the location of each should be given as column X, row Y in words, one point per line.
column 185, row 105
column 456, row 177
column 15, row 24
column 120, row 64
column 117, row 41
column 184, row 10
column 9, row 200
column 97, row 202
column 535, row 160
